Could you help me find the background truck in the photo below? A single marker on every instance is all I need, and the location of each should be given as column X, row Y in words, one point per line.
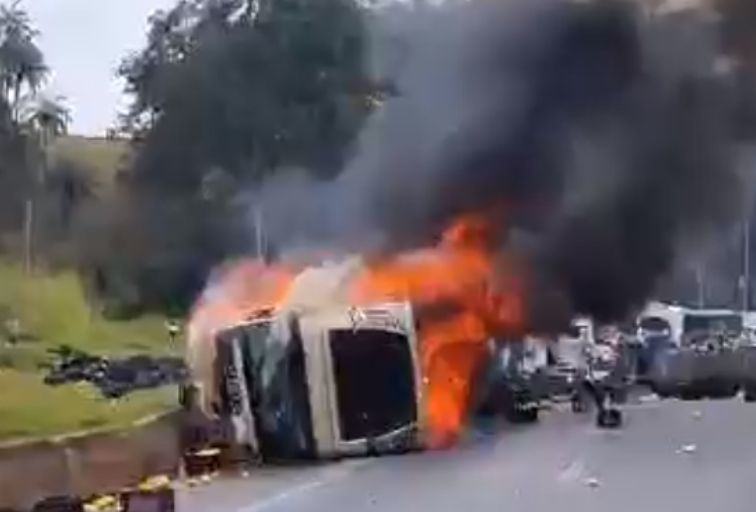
column 706, row 356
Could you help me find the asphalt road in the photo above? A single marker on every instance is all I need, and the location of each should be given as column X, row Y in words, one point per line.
column 671, row 455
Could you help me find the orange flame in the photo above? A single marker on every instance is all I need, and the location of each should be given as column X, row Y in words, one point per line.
column 462, row 299
column 460, row 295
column 240, row 291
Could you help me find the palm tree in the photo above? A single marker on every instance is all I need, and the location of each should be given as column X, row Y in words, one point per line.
column 44, row 119
column 21, row 61
column 48, row 117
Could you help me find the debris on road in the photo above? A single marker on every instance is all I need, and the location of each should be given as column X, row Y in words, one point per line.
column 592, row 482
column 697, row 414
column 114, row 378
column 688, row 449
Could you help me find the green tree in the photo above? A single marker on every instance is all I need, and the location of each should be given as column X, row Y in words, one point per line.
column 273, row 84
column 22, row 66
column 226, row 93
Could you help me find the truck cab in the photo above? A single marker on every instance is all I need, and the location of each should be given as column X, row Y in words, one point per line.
column 320, row 383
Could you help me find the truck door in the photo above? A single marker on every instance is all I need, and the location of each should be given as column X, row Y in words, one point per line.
column 282, row 407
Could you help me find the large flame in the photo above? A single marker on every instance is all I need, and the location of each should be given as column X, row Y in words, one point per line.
column 239, row 290
column 462, row 292
column 461, row 300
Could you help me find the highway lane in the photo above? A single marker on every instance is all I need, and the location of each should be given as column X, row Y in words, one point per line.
column 671, row 455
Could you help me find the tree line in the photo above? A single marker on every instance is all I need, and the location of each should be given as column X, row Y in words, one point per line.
column 225, row 93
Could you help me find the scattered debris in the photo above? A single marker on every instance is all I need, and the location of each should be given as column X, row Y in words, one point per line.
column 113, row 378
column 107, row 503
column 58, row 504
column 592, row 482
column 688, row 448
column 650, row 398
column 155, row 483
column 697, row 414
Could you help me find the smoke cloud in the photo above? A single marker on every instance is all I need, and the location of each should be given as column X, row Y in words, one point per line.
column 606, row 136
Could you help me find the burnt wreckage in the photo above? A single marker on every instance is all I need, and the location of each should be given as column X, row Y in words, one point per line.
column 319, row 383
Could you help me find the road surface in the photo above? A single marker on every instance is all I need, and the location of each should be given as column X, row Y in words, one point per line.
column 671, row 456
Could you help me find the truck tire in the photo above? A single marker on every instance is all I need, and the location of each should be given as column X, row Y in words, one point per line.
column 528, row 415
column 516, row 414
column 691, row 393
column 609, row 418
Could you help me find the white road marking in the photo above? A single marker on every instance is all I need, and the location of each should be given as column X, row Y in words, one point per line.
column 572, row 472
column 277, row 498
column 332, row 475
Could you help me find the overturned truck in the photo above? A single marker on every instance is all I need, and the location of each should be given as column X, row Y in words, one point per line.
column 315, row 383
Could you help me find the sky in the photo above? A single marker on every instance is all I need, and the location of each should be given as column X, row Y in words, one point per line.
column 83, row 42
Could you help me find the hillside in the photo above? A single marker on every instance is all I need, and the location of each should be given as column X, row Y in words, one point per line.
column 104, row 157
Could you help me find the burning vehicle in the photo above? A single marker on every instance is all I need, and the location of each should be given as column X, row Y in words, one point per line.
column 350, row 357
column 315, row 380
column 324, row 383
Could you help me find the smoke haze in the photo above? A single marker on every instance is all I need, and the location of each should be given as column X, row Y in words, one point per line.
column 603, row 135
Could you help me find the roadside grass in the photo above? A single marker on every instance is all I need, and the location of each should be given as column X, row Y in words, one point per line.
column 52, row 310
column 104, row 157
column 30, row 409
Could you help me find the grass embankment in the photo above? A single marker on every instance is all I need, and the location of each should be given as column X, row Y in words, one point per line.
column 52, row 310
column 103, row 157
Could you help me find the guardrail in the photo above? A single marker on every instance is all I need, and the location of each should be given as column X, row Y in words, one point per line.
column 88, row 463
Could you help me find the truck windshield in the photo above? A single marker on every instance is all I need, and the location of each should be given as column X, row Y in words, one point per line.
column 375, row 385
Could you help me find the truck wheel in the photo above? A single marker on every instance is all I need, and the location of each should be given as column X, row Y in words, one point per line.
column 690, row 394
column 528, row 415
column 609, row 418
column 661, row 391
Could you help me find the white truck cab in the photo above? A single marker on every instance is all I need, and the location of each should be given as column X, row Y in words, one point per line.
column 321, row 382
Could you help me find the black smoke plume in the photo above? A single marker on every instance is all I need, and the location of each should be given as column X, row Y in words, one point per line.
column 610, row 134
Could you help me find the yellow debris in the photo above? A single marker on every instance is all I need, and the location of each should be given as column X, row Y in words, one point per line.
column 105, row 503
column 155, row 483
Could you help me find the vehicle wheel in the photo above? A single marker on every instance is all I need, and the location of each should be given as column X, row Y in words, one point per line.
column 661, row 391
column 528, row 415
column 609, row 418
column 691, row 394
column 730, row 391
column 749, row 395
